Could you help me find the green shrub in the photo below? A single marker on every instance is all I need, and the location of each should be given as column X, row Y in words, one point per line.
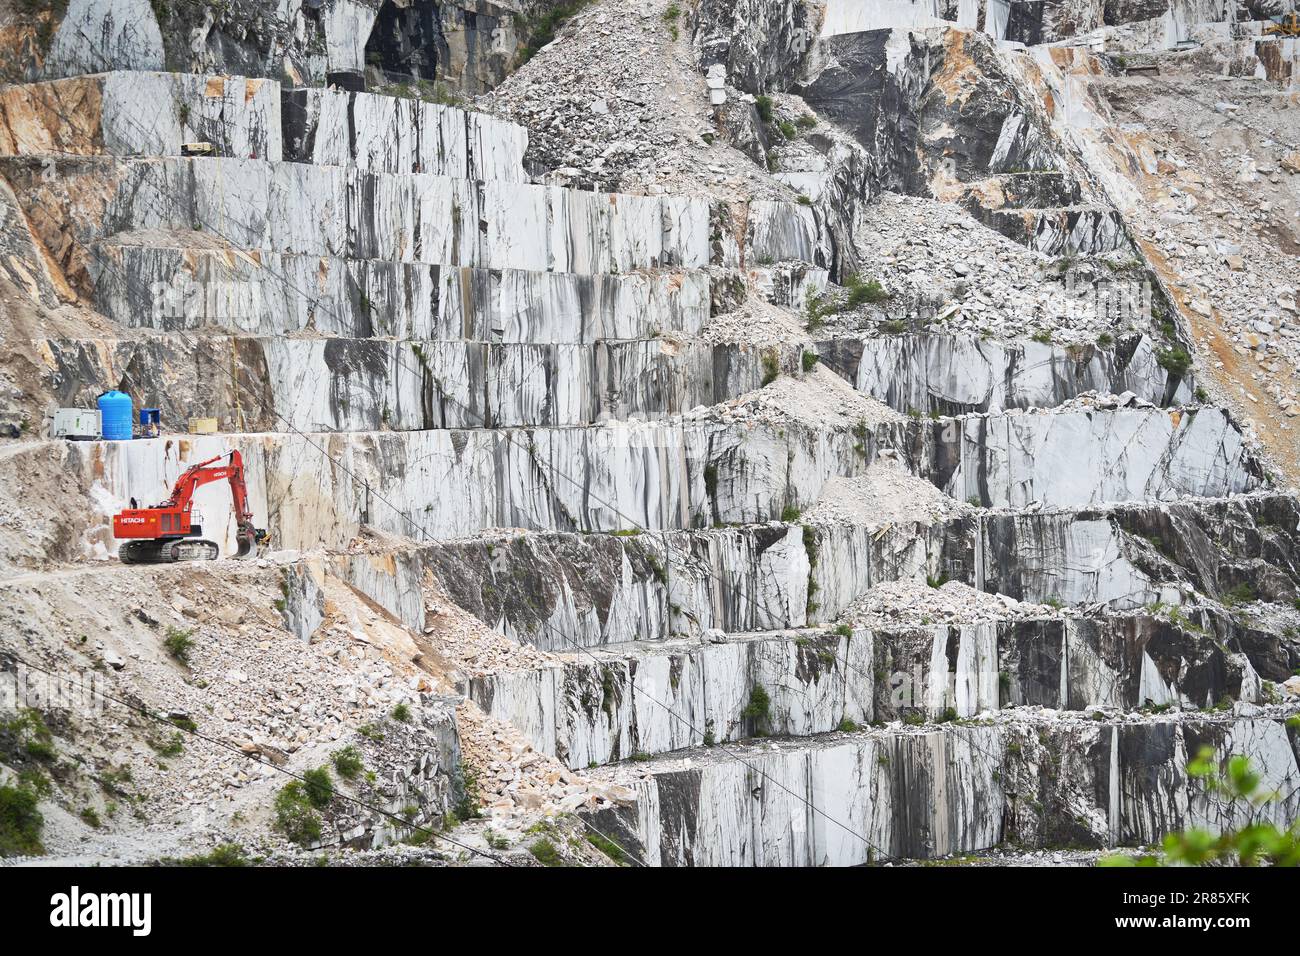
column 467, row 808
column 27, row 735
column 764, row 106
column 20, row 822
column 843, row 630
column 670, row 18
column 542, row 30
column 294, row 816
column 401, row 713
column 544, row 851
column 759, row 707
column 771, row 366
column 862, row 292
column 847, row 726
column 893, row 327
column 1257, row 842
column 806, row 121
column 1105, row 340
column 172, row 746
column 348, row 763
column 809, row 360
column 790, row 514
column 787, row 129
column 1174, row 360
column 607, row 847
column 318, row 787
column 179, row 643
column 227, row 854
column 1241, row 594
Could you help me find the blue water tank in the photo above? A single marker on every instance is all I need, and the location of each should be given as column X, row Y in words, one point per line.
column 115, row 411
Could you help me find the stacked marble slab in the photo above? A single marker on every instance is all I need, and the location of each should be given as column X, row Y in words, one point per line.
column 654, row 697
column 690, row 472
column 549, row 589
column 883, row 795
column 128, row 113
column 956, row 374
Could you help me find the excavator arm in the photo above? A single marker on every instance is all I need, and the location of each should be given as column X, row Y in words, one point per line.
column 170, row 520
column 202, row 474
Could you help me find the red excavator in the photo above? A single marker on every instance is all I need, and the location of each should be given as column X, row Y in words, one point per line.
column 164, row 532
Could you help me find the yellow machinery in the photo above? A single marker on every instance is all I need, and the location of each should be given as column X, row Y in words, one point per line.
column 1287, row 25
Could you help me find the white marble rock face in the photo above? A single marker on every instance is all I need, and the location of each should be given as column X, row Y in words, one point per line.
column 99, row 35
column 971, row 374
column 601, row 711
column 651, row 474
column 152, row 114
column 474, row 352
column 284, row 294
column 385, row 134
column 835, row 802
column 413, row 218
column 458, row 482
column 560, row 590
column 584, row 712
column 1071, row 459
column 135, row 113
column 360, row 385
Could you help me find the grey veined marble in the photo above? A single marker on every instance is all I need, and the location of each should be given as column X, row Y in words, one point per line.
column 869, row 797
column 696, row 472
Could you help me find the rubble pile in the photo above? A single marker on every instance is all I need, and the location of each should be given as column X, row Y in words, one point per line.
column 817, row 398
column 1221, row 197
column 946, row 272
column 233, row 672
column 886, row 494
column 912, row 603
column 617, row 104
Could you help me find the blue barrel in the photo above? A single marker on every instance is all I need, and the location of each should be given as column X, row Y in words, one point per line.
column 115, row 415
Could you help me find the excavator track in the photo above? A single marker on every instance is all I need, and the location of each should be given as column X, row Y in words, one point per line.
column 167, row 552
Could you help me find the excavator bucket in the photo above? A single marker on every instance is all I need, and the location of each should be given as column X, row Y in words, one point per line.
column 250, row 539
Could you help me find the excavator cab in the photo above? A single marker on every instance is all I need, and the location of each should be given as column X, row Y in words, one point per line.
column 172, row 530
